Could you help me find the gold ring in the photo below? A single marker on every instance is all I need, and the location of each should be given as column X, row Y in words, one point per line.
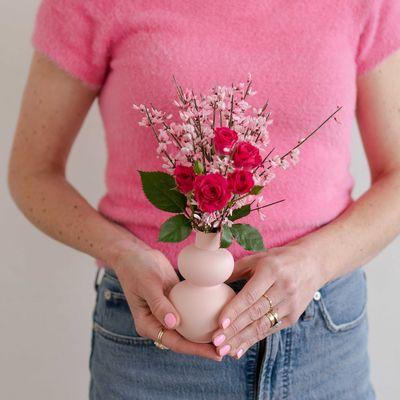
column 273, row 318
column 157, row 342
column 269, row 301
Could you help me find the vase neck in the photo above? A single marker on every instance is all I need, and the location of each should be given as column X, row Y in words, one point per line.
column 207, row 241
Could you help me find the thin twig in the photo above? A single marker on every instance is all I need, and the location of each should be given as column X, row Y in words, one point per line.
column 231, row 110
column 265, row 159
column 267, row 205
column 309, row 135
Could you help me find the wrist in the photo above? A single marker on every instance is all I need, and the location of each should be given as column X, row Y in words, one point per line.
column 123, row 252
column 318, row 257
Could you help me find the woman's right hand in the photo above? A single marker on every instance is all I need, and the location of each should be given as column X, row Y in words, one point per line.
column 146, row 278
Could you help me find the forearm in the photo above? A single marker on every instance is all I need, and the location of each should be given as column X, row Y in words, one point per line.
column 57, row 209
column 360, row 232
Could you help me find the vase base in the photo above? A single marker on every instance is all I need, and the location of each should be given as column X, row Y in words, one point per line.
column 199, row 309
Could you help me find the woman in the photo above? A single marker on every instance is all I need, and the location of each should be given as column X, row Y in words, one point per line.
column 307, row 58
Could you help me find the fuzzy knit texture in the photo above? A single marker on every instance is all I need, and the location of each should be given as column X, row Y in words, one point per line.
column 304, row 56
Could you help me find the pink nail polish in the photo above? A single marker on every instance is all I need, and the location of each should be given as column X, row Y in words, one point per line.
column 225, row 323
column 219, row 340
column 239, row 353
column 224, row 350
column 170, row 320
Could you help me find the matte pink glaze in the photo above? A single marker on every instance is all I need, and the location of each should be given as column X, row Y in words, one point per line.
column 200, row 298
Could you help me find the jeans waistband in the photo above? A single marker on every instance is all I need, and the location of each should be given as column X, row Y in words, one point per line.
column 236, row 286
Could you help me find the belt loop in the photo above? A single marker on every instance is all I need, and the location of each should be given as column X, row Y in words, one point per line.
column 96, row 279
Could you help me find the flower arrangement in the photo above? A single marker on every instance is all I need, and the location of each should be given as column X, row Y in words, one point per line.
column 216, row 163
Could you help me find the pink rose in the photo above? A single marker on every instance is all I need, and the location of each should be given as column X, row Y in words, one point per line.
column 184, row 177
column 211, row 192
column 246, row 156
column 240, row 181
column 224, row 140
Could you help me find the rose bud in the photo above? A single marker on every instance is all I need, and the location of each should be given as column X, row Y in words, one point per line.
column 240, row 181
column 246, row 156
column 211, row 192
column 224, row 140
column 184, row 177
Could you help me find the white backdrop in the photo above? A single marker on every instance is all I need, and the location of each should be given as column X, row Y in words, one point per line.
column 46, row 289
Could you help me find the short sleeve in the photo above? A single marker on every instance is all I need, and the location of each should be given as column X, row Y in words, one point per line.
column 380, row 36
column 76, row 35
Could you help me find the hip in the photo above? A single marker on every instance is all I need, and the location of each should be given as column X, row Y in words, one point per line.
column 125, row 365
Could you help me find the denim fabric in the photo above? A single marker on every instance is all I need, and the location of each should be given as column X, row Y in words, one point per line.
column 323, row 356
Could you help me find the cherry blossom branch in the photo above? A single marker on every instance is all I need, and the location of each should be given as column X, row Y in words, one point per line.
column 157, row 138
column 247, row 89
column 169, row 131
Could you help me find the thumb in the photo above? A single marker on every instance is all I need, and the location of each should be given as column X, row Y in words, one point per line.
column 160, row 305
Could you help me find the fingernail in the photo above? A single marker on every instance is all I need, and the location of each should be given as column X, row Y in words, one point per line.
column 225, row 323
column 239, row 353
column 224, row 350
column 170, row 320
column 219, row 340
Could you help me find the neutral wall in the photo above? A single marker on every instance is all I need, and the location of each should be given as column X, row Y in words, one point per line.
column 46, row 289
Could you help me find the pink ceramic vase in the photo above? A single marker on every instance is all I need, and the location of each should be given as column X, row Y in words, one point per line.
column 200, row 298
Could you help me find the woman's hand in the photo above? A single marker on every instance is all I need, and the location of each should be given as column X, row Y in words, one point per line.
column 53, row 109
column 291, row 275
column 288, row 275
column 146, row 279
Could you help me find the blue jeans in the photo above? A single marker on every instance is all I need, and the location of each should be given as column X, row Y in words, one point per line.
column 323, row 356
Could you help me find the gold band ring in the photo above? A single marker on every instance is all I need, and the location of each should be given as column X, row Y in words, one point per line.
column 157, row 342
column 273, row 318
column 269, row 301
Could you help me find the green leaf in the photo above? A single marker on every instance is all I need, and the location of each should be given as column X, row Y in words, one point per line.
column 159, row 189
column 175, row 229
column 240, row 212
column 226, row 237
column 257, row 189
column 248, row 237
column 198, row 167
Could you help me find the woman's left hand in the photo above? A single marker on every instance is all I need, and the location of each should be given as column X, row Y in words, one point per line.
column 288, row 275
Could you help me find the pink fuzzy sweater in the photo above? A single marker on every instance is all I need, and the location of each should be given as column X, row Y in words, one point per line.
column 304, row 56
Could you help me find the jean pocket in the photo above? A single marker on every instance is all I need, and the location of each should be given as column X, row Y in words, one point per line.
column 112, row 317
column 343, row 301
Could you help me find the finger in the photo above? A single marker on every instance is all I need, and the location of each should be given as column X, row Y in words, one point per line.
column 253, row 313
column 257, row 285
column 244, row 267
column 254, row 332
column 160, row 305
column 178, row 344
